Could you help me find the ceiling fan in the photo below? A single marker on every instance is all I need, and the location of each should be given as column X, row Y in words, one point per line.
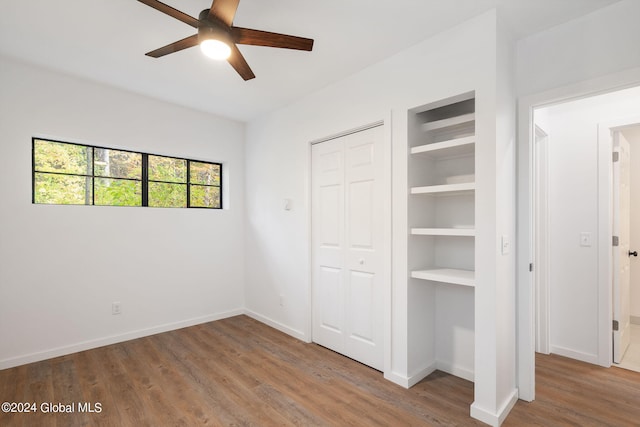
column 218, row 37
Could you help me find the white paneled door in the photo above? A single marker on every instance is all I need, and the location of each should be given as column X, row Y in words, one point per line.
column 621, row 253
column 347, row 233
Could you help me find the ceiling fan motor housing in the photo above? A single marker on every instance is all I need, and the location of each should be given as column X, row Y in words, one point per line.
column 210, row 29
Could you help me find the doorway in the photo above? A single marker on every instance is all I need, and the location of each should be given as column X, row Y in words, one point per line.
column 574, row 213
column 580, row 308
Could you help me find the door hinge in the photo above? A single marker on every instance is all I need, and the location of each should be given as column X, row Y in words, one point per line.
column 616, row 240
column 615, row 325
column 531, row 267
column 616, row 156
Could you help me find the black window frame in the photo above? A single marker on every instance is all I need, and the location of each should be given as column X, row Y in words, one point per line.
column 144, row 178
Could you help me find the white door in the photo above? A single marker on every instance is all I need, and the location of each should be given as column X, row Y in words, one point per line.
column 347, row 233
column 621, row 265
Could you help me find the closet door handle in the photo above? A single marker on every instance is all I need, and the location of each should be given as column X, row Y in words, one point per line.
column 634, row 253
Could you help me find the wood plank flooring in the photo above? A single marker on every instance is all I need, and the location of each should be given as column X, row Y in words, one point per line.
column 237, row 372
column 573, row 393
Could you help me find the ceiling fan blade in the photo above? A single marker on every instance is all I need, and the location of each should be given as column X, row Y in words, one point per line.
column 174, row 13
column 224, row 10
column 265, row 38
column 238, row 62
column 174, row 47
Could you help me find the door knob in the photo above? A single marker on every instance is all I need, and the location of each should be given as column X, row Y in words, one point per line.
column 634, row 253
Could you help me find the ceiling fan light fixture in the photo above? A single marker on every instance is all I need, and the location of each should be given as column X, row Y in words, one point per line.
column 213, row 37
column 215, row 49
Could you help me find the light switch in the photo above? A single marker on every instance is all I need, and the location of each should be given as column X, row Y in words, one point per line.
column 506, row 244
column 287, row 204
column 585, row 239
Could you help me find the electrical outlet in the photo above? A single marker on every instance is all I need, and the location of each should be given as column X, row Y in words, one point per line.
column 116, row 308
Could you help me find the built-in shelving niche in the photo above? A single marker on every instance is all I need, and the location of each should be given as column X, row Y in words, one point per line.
column 441, row 218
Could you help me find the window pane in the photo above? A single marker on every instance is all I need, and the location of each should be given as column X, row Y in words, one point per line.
column 204, row 173
column 62, row 189
column 62, row 158
column 118, row 192
column 117, row 164
column 205, row 197
column 167, row 169
column 167, row 195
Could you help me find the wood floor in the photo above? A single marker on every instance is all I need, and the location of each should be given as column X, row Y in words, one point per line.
column 240, row 372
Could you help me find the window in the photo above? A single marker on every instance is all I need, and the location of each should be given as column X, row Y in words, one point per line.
column 74, row 174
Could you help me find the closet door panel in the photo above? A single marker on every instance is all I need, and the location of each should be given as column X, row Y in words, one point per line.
column 328, row 244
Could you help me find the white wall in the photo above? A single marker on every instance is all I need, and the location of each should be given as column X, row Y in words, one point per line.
column 277, row 242
column 505, row 293
column 633, row 136
column 278, row 159
column 600, row 43
column 495, row 359
column 573, row 206
column 61, row 267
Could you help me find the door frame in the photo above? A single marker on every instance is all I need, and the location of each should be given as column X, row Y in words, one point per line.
column 386, row 249
column 526, row 308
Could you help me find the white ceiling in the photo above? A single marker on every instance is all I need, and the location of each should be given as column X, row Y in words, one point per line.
column 105, row 41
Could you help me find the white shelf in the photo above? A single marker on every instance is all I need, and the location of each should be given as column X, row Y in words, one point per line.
column 470, row 232
column 445, row 123
column 447, row 275
column 449, row 189
column 450, row 148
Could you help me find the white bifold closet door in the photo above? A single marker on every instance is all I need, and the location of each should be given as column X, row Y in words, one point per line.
column 347, row 232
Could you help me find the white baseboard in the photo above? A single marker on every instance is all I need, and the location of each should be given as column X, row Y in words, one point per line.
column 113, row 339
column 573, row 354
column 400, row 380
column 421, row 374
column 411, row 380
column 277, row 325
column 455, row 370
column 498, row 418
